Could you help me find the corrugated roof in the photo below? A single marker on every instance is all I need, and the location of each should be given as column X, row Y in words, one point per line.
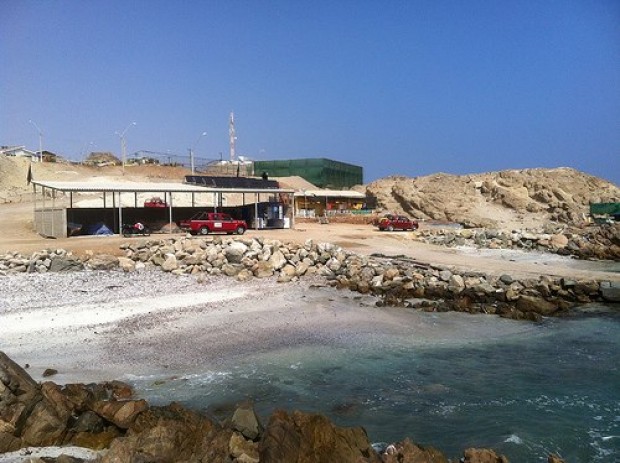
column 296, row 182
column 151, row 187
column 331, row 193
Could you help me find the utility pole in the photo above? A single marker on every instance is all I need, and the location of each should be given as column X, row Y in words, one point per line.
column 191, row 151
column 123, row 145
column 231, row 133
column 40, row 138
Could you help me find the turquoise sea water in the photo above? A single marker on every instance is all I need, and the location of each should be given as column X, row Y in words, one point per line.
column 552, row 387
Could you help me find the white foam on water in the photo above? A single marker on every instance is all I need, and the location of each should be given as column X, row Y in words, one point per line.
column 514, row 439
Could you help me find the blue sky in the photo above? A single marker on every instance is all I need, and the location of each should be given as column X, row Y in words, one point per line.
column 398, row 87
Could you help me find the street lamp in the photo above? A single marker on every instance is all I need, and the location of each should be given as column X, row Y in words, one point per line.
column 40, row 138
column 87, row 146
column 123, row 145
column 191, row 151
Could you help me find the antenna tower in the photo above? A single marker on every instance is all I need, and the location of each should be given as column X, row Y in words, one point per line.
column 231, row 133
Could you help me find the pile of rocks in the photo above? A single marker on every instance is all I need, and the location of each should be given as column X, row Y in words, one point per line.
column 396, row 280
column 105, row 417
column 599, row 242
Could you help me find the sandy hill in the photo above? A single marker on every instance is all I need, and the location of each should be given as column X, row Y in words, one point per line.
column 505, row 199
column 14, row 173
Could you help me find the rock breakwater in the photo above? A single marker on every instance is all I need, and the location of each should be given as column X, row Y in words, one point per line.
column 395, row 280
column 597, row 242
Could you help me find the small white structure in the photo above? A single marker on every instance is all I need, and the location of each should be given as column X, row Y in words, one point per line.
column 19, row 151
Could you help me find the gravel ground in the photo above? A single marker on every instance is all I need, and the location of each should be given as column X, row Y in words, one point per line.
column 95, row 325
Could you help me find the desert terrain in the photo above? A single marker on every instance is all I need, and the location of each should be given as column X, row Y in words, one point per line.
column 442, row 197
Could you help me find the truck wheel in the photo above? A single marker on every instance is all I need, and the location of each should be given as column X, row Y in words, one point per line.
column 240, row 230
column 203, row 231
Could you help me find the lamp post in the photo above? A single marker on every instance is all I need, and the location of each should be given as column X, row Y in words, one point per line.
column 87, row 146
column 40, row 138
column 123, row 145
column 191, row 151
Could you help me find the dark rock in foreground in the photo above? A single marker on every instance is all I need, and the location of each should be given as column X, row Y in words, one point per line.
column 102, row 417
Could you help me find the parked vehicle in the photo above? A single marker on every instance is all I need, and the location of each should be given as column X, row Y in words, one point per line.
column 155, row 201
column 204, row 223
column 133, row 229
column 391, row 222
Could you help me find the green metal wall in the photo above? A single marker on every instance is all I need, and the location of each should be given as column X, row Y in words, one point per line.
column 324, row 173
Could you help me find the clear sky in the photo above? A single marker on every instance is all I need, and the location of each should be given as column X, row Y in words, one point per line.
column 398, row 87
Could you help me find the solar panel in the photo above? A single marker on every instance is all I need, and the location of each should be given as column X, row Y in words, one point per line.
column 231, row 182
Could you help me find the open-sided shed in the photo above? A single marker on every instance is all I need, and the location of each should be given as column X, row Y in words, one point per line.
column 55, row 205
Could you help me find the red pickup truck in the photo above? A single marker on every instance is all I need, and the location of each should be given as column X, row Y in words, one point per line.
column 213, row 222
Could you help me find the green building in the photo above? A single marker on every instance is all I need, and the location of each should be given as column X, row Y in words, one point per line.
column 324, row 173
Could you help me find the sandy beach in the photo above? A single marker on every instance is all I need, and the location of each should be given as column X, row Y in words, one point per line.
column 97, row 326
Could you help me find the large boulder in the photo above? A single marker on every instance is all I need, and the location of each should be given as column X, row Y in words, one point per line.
column 121, row 413
column 19, row 395
column 170, row 434
column 66, row 264
column 277, row 260
column 482, row 456
column 306, row 438
column 170, row 263
column 536, row 304
column 246, row 422
column 235, row 251
column 610, row 290
column 103, row 262
column 409, row 452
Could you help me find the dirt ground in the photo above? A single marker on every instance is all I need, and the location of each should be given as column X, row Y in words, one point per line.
column 17, row 234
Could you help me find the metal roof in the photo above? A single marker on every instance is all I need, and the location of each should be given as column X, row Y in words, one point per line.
column 150, row 187
column 331, row 193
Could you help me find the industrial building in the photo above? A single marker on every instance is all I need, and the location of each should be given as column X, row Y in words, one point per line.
column 321, row 172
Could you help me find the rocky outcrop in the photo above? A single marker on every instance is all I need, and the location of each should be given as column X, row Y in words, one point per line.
column 601, row 242
column 170, row 434
column 483, row 456
column 493, row 199
column 103, row 417
column 93, row 417
column 48, row 414
column 307, row 438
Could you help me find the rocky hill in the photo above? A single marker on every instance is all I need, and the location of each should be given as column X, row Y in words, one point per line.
column 505, row 199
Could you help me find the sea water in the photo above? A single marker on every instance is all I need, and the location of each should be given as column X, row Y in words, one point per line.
column 552, row 387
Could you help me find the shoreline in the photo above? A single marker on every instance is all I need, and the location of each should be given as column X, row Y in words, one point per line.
column 193, row 324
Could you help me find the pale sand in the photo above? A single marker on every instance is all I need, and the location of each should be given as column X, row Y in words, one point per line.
column 97, row 326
